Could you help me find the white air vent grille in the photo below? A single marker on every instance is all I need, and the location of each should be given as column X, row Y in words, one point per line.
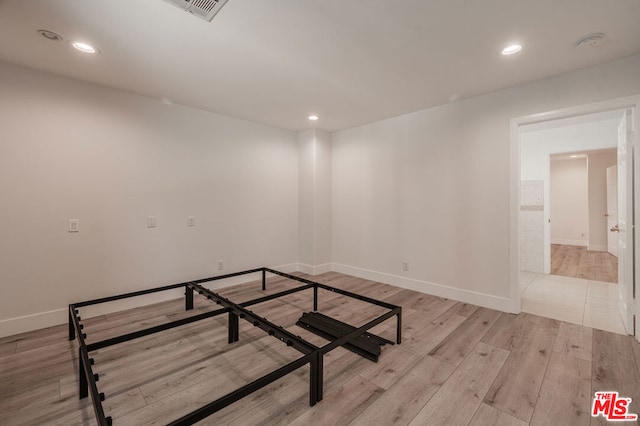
column 205, row 9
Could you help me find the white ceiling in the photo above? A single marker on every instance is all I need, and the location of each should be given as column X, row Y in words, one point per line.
column 350, row 62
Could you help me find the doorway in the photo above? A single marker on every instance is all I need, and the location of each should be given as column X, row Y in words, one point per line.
column 579, row 286
column 624, row 299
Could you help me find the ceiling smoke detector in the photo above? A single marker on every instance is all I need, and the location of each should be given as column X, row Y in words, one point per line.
column 204, row 9
column 50, row 35
column 592, row 40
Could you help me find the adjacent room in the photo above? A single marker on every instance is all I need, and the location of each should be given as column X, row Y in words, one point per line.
column 285, row 212
column 568, row 247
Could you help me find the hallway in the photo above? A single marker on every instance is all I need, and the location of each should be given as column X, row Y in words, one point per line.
column 578, row 262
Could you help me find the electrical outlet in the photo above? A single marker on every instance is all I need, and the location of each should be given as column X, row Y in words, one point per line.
column 151, row 221
column 405, row 266
column 191, row 221
column 74, row 225
column 220, row 265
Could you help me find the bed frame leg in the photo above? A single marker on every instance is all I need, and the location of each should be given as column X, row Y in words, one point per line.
column 83, row 384
column 264, row 280
column 315, row 381
column 188, row 300
column 234, row 328
column 72, row 329
column 399, row 330
column 315, row 298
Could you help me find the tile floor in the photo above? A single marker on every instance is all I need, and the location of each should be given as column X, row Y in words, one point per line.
column 576, row 300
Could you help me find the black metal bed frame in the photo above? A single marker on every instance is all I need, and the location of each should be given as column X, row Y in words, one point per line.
column 311, row 354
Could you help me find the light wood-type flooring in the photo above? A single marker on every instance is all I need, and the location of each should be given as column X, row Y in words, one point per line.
column 458, row 364
column 578, row 262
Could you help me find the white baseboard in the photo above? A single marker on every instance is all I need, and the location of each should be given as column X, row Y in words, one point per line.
column 314, row 270
column 596, row 247
column 23, row 324
column 467, row 296
column 37, row 321
column 579, row 243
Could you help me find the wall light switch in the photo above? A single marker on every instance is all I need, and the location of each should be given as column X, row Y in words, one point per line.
column 74, row 225
column 151, row 221
column 191, row 221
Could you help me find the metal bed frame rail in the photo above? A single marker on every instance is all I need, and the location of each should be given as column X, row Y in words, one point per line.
column 311, row 354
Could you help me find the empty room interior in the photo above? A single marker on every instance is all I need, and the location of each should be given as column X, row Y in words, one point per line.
column 285, row 212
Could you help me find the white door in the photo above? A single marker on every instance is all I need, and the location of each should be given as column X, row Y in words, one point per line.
column 612, row 210
column 625, row 221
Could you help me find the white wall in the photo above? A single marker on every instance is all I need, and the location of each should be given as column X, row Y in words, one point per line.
column 597, row 164
column 569, row 202
column 432, row 187
column 75, row 150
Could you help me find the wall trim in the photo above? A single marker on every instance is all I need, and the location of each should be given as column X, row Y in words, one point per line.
column 37, row 321
column 580, row 243
column 597, row 247
column 461, row 295
column 314, row 270
column 23, row 324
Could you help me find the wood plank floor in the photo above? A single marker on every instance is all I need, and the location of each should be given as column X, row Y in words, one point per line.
column 578, row 262
column 458, row 364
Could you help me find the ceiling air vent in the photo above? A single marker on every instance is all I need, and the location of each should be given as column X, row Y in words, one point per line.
column 205, row 9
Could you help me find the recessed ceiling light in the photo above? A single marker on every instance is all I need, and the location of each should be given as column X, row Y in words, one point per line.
column 574, row 156
column 84, row 47
column 313, row 117
column 511, row 49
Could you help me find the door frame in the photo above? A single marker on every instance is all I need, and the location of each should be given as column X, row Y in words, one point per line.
column 632, row 102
